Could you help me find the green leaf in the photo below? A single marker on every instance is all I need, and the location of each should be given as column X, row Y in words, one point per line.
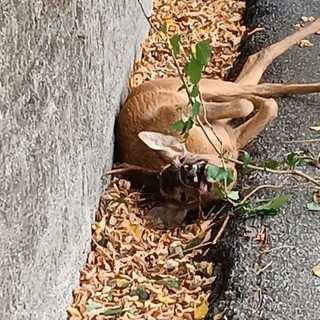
column 215, row 173
column 270, row 163
column 177, row 126
column 195, row 91
column 195, row 108
column 219, row 192
column 234, row 195
column 203, row 51
column 175, row 43
column 194, row 70
column 187, row 126
column 193, row 243
column 271, row 206
column 143, row 294
column 246, row 160
column 93, row 305
column 293, row 159
column 164, row 27
column 113, row 312
column 313, row 206
column 170, row 283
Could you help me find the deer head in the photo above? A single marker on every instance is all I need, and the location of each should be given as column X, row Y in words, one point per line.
column 183, row 181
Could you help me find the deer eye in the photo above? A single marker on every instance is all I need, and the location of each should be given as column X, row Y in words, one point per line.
column 182, row 159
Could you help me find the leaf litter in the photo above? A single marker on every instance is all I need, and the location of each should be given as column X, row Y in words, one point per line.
column 133, row 271
column 195, row 20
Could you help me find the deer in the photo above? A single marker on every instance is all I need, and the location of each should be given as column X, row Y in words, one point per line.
column 144, row 139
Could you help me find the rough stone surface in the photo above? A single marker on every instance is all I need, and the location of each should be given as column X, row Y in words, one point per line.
column 287, row 289
column 64, row 67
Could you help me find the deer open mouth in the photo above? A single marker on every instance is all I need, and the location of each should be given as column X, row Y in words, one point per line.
column 193, row 175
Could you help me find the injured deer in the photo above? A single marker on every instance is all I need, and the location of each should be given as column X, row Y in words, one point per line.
column 145, row 140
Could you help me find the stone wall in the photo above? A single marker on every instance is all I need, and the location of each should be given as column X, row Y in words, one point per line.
column 64, row 67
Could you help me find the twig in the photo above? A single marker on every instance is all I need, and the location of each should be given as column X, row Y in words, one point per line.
column 264, row 268
column 125, row 167
column 225, row 222
column 264, row 186
column 176, row 63
column 302, row 141
column 254, row 31
column 277, row 248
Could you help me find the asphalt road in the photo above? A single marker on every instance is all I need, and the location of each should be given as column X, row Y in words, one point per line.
column 287, row 289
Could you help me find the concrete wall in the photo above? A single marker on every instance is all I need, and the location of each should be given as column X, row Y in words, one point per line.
column 64, row 66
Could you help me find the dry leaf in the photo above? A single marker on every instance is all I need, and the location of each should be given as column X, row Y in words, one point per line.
column 121, row 283
column 218, row 316
column 308, row 19
column 73, row 311
column 305, row 43
column 136, row 230
column 316, row 270
column 202, row 309
column 317, row 128
column 166, row 299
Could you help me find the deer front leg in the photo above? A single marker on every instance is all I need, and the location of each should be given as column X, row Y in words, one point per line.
column 258, row 62
column 268, row 110
column 239, row 108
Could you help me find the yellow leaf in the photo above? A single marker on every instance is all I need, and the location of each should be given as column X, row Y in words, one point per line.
column 218, row 316
column 165, row 237
column 193, row 48
column 99, row 228
column 317, row 128
column 73, row 311
column 121, row 283
column 201, row 309
column 316, row 270
column 136, row 230
column 166, row 299
column 210, row 268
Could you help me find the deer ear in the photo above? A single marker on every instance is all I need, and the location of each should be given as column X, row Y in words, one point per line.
column 169, row 146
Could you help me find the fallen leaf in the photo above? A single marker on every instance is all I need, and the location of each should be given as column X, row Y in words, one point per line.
column 121, row 283
column 313, row 206
column 166, row 299
column 170, row 283
column 218, row 316
column 305, row 43
column 73, row 311
column 94, row 305
column 316, row 196
column 317, row 128
column 316, row 270
column 136, row 230
column 201, row 309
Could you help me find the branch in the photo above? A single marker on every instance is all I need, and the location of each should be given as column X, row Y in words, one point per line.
column 293, row 172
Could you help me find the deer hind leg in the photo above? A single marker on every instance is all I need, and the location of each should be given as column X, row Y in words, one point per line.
column 268, row 110
column 258, row 62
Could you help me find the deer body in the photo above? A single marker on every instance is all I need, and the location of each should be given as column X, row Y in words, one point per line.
column 144, row 137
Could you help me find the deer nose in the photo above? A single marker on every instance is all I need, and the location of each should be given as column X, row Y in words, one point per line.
column 190, row 174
